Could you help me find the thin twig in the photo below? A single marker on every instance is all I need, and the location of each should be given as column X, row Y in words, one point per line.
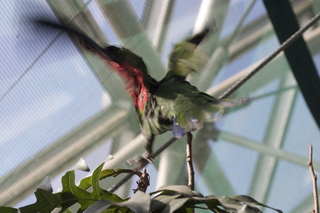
column 314, row 180
column 282, row 47
column 189, row 161
column 143, row 182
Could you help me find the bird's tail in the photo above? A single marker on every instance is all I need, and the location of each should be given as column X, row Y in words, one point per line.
column 84, row 39
column 216, row 110
column 226, row 103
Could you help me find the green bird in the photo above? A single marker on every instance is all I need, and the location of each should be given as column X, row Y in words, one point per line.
column 171, row 104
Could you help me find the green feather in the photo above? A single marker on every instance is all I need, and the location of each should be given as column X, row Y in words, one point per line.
column 186, row 57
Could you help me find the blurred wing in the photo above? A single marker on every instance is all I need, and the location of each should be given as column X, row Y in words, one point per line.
column 85, row 40
column 185, row 57
column 129, row 65
column 114, row 55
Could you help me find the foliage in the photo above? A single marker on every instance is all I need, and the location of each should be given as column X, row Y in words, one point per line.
column 171, row 198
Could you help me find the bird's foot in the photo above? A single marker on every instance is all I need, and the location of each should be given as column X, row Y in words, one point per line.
column 140, row 160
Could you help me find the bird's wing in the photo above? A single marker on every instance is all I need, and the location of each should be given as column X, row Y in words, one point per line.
column 185, row 57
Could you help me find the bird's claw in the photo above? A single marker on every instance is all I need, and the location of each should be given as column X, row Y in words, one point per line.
column 140, row 160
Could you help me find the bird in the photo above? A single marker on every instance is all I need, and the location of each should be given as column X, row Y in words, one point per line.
column 171, row 104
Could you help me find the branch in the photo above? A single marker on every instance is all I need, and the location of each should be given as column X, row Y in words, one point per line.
column 314, row 180
column 189, row 161
column 144, row 182
column 282, row 47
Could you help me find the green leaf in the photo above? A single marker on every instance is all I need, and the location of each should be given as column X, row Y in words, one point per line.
column 86, row 182
column 5, row 209
column 98, row 191
column 46, row 202
column 71, row 194
column 86, row 199
column 230, row 203
column 102, row 205
column 74, row 193
column 170, row 198
column 139, row 202
column 249, row 200
column 162, row 201
column 175, row 205
column 168, row 189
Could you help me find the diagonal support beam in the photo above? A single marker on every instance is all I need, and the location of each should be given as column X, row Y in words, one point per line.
column 298, row 55
column 131, row 33
column 61, row 154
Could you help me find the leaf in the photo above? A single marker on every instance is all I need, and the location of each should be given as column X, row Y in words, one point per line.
column 5, row 209
column 239, row 203
column 182, row 199
column 71, row 194
column 249, row 200
column 46, row 202
column 81, row 196
column 175, row 205
column 140, row 202
column 229, row 203
column 168, row 189
column 86, row 182
column 162, row 201
column 100, row 206
column 170, row 198
column 86, row 199
column 98, row 191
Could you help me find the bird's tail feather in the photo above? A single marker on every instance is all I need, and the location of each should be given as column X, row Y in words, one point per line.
column 225, row 103
column 84, row 39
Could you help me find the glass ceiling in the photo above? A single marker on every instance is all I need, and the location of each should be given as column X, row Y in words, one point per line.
column 59, row 103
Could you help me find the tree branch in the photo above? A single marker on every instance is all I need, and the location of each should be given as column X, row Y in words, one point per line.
column 189, row 161
column 144, row 182
column 314, row 181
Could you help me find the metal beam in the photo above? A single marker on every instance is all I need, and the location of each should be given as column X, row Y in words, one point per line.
column 221, row 54
column 274, row 137
column 156, row 19
column 210, row 12
column 209, row 169
column 76, row 13
column 259, row 29
column 61, row 155
column 298, row 55
column 131, row 33
column 267, row 150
